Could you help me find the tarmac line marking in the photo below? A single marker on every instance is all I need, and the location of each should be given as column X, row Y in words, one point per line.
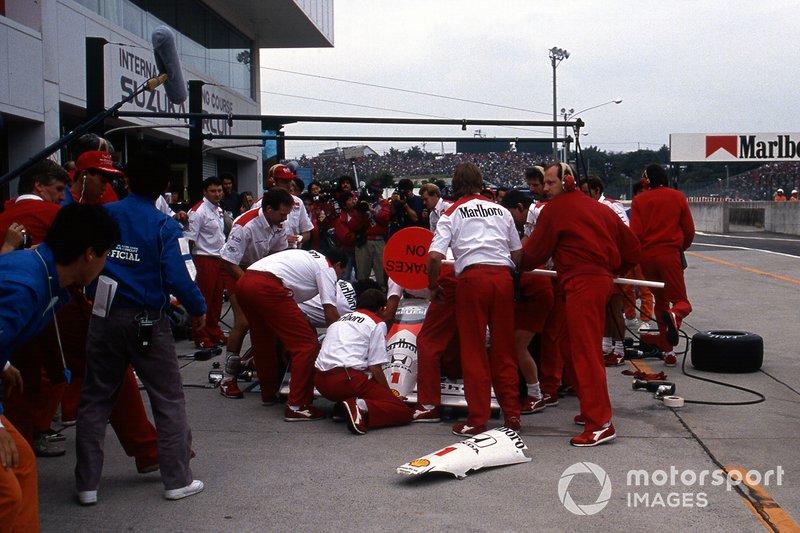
column 746, row 248
column 748, row 269
column 762, row 505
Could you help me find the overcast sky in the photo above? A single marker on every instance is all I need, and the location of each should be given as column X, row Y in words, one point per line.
column 679, row 67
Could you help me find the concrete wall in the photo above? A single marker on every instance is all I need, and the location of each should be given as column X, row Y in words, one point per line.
column 725, row 217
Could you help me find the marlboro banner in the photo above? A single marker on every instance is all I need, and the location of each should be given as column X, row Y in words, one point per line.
column 734, row 147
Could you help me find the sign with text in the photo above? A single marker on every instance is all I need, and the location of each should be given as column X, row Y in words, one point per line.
column 405, row 258
column 734, row 147
column 128, row 67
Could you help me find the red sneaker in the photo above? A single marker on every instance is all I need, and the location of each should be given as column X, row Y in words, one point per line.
column 579, row 420
column 356, row 420
column 593, row 438
column 671, row 321
column 426, row 415
column 614, row 359
column 670, row 359
column 229, row 388
column 513, row 423
column 550, row 400
column 305, row 413
column 468, row 431
column 531, row 404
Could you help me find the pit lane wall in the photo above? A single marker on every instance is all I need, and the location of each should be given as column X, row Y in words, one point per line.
column 718, row 216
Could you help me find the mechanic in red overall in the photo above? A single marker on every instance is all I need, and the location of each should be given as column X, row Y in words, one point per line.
column 589, row 244
column 486, row 248
column 661, row 219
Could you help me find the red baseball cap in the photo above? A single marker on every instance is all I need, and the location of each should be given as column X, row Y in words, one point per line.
column 96, row 160
column 281, row 172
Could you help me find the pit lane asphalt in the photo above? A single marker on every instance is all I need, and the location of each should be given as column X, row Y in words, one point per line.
column 263, row 474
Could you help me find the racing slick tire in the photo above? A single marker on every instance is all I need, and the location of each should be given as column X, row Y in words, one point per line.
column 731, row 352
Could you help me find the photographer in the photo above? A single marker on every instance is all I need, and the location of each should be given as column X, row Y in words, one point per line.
column 376, row 214
column 406, row 207
column 349, row 229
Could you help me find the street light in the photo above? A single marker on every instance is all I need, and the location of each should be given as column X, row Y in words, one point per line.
column 571, row 113
column 557, row 55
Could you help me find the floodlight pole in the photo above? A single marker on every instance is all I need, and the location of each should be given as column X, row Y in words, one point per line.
column 557, row 55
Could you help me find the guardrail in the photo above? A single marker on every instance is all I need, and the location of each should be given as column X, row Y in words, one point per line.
column 716, row 215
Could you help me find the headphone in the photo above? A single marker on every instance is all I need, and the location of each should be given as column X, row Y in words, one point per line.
column 567, row 177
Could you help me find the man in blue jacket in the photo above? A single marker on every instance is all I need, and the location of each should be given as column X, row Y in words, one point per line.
column 32, row 288
column 129, row 325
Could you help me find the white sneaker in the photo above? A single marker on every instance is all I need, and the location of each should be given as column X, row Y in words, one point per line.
column 189, row 490
column 87, row 497
column 648, row 326
column 632, row 323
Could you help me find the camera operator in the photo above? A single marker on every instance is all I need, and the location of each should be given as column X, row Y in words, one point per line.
column 406, row 207
column 376, row 214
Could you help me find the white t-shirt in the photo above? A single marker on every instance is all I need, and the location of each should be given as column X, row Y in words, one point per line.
column 163, row 206
column 206, row 228
column 618, row 208
column 252, row 238
column 436, row 214
column 304, row 272
column 533, row 216
column 478, row 231
column 345, row 302
column 357, row 340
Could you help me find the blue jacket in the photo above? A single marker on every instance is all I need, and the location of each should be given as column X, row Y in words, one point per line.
column 28, row 299
column 150, row 262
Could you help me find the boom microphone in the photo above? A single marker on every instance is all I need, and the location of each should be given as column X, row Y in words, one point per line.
column 168, row 62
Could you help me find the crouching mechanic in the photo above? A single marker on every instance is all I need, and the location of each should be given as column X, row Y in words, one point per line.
column 269, row 293
column 31, row 291
column 132, row 327
column 349, row 367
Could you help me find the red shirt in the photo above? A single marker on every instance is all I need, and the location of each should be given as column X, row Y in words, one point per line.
column 661, row 219
column 582, row 236
column 35, row 215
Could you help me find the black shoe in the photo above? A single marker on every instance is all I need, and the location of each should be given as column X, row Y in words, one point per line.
column 53, row 436
column 670, row 321
column 44, row 448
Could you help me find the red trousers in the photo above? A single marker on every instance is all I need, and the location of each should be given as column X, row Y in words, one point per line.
column 585, row 305
column 39, row 361
column 436, row 340
column 383, row 407
column 211, row 283
column 272, row 312
column 667, row 268
column 553, row 356
column 19, row 489
column 482, row 298
column 531, row 313
column 629, row 301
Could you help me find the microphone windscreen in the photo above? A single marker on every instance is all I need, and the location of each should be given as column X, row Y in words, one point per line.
column 168, row 62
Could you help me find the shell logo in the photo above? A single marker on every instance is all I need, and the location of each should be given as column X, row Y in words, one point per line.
column 420, row 462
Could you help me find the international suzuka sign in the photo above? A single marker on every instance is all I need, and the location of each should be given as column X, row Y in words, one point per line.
column 734, row 147
column 405, row 258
